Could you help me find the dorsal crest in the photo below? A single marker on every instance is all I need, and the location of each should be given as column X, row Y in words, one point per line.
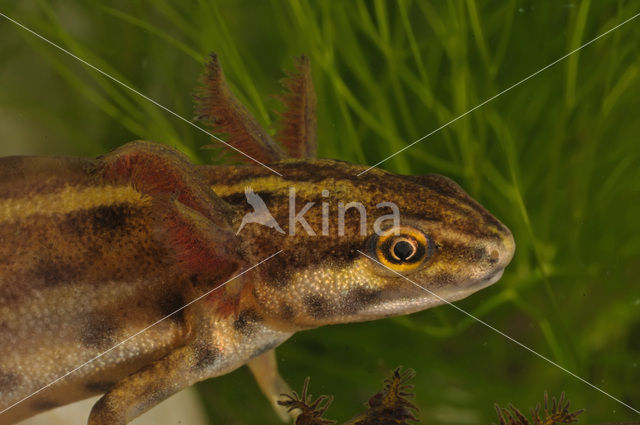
column 226, row 116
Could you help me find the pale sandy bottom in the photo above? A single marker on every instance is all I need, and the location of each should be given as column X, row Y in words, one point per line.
column 183, row 408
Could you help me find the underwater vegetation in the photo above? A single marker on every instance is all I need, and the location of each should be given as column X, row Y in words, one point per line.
column 388, row 407
column 556, row 159
column 392, row 407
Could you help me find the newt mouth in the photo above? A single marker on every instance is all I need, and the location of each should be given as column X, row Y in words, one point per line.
column 477, row 284
column 437, row 297
column 488, row 279
column 492, row 277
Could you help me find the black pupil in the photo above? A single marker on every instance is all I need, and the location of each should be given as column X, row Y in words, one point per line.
column 403, row 250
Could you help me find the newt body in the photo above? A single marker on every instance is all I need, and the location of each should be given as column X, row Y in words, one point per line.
column 95, row 250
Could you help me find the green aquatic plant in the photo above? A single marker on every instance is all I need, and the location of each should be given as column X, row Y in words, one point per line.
column 555, row 158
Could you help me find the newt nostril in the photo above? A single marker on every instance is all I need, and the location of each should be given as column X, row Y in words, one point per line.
column 495, row 256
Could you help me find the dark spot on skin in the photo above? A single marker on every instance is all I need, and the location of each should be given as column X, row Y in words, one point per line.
column 235, row 199
column 466, row 254
column 103, row 220
column 358, row 299
column 8, row 381
column 206, row 355
column 54, row 272
column 99, row 332
column 244, row 322
column 442, row 280
column 42, row 405
column 316, row 306
column 276, row 274
column 286, row 312
column 99, row 387
column 109, row 218
column 74, row 224
column 171, row 302
column 479, row 254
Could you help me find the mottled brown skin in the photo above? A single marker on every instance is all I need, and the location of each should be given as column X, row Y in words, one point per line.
column 95, row 250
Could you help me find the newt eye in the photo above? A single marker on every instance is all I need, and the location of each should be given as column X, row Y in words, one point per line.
column 402, row 249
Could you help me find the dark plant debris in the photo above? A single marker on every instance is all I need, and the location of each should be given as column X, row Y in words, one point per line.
column 392, row 407
column 556, row 412
column 312, row 412
column 388, row 407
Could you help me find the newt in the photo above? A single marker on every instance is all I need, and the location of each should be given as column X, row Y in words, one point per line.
column 129, row 274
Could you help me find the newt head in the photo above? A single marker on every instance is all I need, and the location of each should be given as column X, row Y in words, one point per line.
column 345, row 255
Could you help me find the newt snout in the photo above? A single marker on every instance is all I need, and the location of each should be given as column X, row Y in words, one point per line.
column 499, row 256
